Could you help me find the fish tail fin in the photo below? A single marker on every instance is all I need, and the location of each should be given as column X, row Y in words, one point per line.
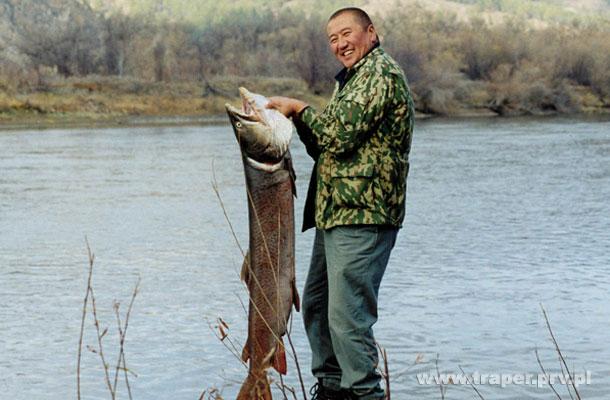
column 256, row 387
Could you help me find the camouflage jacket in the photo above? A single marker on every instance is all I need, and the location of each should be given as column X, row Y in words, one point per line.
column 361, row 144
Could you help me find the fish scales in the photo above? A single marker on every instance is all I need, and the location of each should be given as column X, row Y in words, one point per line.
column 269, row 266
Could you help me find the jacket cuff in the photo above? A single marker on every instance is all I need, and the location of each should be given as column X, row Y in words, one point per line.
column 308, row 116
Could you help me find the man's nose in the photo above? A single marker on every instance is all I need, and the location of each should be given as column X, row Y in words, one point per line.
column 342, row 43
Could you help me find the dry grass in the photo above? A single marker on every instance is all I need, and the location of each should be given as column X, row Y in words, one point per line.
column 102, row 98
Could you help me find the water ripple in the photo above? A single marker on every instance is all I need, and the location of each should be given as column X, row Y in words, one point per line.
column 502, row 216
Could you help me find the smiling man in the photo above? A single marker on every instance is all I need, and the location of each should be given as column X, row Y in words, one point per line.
column 356, row 200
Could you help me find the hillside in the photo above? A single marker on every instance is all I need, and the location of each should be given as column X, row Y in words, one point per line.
column 538, row 13
column 109, row 58
column 200, row 11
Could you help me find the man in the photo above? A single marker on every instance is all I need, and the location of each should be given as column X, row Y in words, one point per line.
column 360, row 143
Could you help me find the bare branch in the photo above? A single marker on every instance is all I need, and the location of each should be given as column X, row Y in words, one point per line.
column 296, row 359
column 385, row 373
column 561, row 357
column 231, row 346
column 440, row 382
column 121, row 363
column 91, row 258
column 471, row 384
column 546, row 374
column 100, row 348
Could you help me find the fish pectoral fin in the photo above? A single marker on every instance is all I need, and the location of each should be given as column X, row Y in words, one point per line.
column 245, row 268
column 295, row 296
column 279, row 358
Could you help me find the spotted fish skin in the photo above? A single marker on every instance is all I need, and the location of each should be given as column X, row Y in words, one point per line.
column 269, row 266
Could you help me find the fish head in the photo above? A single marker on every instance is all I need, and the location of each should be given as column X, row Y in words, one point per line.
column 263, row 134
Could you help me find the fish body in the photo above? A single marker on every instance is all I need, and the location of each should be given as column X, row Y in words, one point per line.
column 269, row 266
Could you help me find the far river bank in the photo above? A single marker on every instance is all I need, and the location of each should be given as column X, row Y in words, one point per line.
column 110, row 102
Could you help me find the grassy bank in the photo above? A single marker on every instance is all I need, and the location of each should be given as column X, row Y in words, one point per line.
column 96, row 100
column 109, row 100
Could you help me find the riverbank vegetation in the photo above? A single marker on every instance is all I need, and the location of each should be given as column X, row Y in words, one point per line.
column 85, row 61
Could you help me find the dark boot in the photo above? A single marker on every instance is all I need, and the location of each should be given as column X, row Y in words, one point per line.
column 320, row 392
column 349, row 395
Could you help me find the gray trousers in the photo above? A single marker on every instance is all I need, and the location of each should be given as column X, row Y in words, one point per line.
column 340, row 305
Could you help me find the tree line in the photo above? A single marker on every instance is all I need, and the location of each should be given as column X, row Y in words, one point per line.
column 449, row 61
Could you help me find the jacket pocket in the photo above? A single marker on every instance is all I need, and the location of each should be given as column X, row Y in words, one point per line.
column 353, row 187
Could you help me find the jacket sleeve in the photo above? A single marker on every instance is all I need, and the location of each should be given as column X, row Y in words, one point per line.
column 358, row 115
column 307, row 137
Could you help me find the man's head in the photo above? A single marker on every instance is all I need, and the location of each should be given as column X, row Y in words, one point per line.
column 351, row 35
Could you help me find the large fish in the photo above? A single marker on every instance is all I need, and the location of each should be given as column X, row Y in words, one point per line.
column 268, row 270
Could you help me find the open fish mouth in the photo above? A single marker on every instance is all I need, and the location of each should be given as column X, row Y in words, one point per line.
column 263, row 134
column 250, row 111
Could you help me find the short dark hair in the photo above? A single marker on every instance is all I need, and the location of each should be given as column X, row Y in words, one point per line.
column 361, row 16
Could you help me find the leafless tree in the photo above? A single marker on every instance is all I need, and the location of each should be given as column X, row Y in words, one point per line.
column 66, row 38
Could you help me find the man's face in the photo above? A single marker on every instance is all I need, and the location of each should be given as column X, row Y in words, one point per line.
column 348, row 40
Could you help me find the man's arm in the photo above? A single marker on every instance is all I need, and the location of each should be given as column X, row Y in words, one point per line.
column 308, row 138
column 358, row 115
column 291, row 108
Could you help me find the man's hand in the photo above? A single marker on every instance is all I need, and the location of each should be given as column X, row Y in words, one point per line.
column 286, row 105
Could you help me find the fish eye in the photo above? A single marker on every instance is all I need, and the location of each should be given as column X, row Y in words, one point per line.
column 238, row 124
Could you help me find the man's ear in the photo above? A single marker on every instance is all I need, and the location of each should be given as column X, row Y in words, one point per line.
column 371, row 31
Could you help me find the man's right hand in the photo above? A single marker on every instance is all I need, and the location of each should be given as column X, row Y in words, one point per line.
column 286, row 105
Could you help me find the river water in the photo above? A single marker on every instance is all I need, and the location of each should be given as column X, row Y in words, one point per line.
column 502, row 216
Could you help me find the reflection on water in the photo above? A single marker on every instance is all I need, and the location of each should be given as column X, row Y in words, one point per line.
column 501, row 216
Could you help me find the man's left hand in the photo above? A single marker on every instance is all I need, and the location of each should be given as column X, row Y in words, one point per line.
column 286, row 105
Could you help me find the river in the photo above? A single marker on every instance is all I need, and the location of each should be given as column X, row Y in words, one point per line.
column 502, row 216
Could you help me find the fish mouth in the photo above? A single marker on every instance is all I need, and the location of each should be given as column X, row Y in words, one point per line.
column 263, row 134
column 249, row 112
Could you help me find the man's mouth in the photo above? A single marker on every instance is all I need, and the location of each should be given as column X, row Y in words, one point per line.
column 347, row 53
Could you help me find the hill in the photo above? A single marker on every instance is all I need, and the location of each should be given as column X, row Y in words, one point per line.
column 179, row 57
column 201, row 11
column 539, row 13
